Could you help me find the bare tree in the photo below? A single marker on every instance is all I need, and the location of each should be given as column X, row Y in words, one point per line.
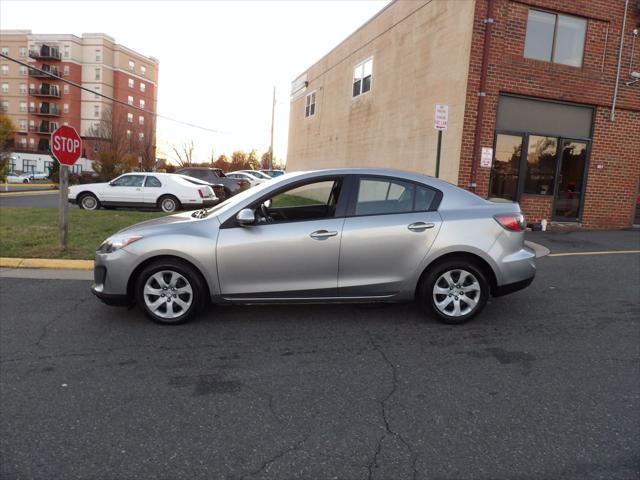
column 184, row 153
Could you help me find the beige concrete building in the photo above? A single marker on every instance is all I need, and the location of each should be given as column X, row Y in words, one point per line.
column 410, row 70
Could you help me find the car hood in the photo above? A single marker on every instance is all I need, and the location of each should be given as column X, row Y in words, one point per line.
column 162, row 224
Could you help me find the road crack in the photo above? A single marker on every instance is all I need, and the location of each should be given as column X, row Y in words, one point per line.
column 267, row 463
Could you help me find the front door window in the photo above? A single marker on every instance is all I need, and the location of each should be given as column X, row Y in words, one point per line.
column 572, row 161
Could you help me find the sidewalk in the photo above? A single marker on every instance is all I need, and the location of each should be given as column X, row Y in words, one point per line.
column 587, row 240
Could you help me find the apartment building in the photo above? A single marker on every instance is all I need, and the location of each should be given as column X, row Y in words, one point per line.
column 38, row 102
column 543, row 102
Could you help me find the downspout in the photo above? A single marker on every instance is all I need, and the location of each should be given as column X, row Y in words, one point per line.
column 482, row 93
column 615, row 91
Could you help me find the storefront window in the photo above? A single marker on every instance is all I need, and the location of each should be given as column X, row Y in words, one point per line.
column 506, row 164
column 541, row 165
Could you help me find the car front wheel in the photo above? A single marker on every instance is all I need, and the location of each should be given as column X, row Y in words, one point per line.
column 455, row 291
column 170, row 291
column 88, row 202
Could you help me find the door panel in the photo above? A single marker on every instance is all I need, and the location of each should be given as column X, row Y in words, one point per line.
column 379, row 253
column 280, row 260
column 571, row 169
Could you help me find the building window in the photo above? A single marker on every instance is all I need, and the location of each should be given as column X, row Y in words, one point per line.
column 128, row 133
column 97, row 74
column 23, row 52
column 48, row 165
column 65, row 108
column 4, row 69
column 23, row 70
column 5, row 88
column 96, row 111
column 98, row 55
column 141, row 136
column 66, row 51
column 362, row 77
column 555, row 38
column 23, row 89
column 130, row 117
column 4, row 50
column 132, row 66
column 96, row 95
column 143, row 70
column 23, row 106
column 141, row 103
column 131, row 83
column 65, row 70
column 130, row 100
column 141, row 120
column 4, row 106
column 23, row 125
column 143, row 87
column 310, row 105
column 28, row 166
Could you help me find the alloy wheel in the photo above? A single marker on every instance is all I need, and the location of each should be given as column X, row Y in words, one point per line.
column 168, row 294
column 456, row 293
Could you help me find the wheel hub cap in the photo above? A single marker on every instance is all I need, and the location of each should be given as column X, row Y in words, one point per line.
column 168, row 294
column 456, row 293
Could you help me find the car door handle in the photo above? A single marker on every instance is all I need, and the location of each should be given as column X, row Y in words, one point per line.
column 420, row 226
column 322, row 234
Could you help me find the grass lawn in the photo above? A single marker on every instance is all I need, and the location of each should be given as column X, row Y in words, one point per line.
column 33, row 232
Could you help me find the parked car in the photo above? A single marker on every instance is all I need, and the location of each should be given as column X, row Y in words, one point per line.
column 166, row 191
column 216, row 176
column 273, row 173
column 343, row 235
column 17, row 178
column 255, row 173
column 218, row 188
column 244, row 175
column 38, row 176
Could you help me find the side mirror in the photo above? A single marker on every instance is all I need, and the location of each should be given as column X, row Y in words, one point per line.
column 246, row 217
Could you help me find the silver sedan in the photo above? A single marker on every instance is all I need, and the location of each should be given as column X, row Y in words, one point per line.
column 343, row 235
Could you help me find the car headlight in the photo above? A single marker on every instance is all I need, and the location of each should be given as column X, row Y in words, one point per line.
column 117, row 242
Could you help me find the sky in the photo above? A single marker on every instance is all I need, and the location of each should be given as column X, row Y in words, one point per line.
column 219, row 60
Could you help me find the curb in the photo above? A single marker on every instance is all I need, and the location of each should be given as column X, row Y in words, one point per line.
column 28, row 193
column 55, row 263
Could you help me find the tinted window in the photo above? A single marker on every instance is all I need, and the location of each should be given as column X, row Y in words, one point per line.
column 129, row 181
column 555, row 38
column 152, row 182
column 541, row 165
column 384, row 196
column 506, row 165
column 311, row 194
column 424, row 198
column 539, row 40
column 570, row 40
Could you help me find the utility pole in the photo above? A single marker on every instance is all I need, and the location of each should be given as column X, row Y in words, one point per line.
column 273, row 115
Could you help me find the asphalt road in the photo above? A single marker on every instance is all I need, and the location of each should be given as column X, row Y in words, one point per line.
column 38, row 200
column 544, row 385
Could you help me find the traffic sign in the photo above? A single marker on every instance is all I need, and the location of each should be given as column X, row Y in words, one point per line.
column 441, row 117
column 66, row 145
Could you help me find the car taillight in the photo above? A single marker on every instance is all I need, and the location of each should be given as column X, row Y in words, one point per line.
column 514, row 222
column 244, row 183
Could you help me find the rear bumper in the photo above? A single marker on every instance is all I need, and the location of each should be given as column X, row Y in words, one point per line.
column 512, row 287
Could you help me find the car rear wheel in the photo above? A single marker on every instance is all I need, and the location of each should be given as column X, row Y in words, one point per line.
column 170, row 291
column 88, row 201
column 168, row 204
column 455, row 291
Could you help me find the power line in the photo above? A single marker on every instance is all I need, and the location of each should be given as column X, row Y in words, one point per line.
column 155, row 114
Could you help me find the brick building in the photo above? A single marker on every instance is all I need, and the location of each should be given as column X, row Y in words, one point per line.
column 546, row 88
column 38, row 103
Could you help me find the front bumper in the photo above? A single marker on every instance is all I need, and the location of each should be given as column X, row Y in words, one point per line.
column 111, row 275
column 72, row 201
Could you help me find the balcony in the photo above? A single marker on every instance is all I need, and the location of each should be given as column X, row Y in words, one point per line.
column 21, row 147
column 48, row 72
column 45, row 91
column 46, row 110
column 43, row 128
column 45, row 52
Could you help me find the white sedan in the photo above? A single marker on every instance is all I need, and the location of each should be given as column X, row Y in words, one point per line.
column 166, row 191
column 17, row 178
column 254, row 178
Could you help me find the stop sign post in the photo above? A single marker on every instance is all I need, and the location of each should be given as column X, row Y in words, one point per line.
column 66, row 146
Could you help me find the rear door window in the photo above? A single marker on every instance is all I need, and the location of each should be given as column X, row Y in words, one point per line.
column 379, row 196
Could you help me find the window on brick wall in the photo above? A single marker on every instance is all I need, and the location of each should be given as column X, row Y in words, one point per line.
column 555, row 38
column 5, row 88
column 130, row 100
column 22, row 52
column 362, row 75
column 130, row 117
column 143, row 87
column 4, row 69
column 131, row 83
column 4, row 50
column 65, row 70
column 65, row 89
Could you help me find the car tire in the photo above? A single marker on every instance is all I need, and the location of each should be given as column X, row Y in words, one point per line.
column 177, row 282
column 88, row 201
column 25, row 181
column 168, row 204
column 455, row 291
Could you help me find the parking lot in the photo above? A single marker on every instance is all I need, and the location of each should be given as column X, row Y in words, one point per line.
column 544, row 384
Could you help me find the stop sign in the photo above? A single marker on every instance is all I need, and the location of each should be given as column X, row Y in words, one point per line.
column 66, row 145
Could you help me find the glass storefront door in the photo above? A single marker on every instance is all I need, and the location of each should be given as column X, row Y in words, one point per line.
column 572, row 160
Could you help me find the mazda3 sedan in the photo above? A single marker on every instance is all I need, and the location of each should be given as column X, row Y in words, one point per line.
column 343, row 235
